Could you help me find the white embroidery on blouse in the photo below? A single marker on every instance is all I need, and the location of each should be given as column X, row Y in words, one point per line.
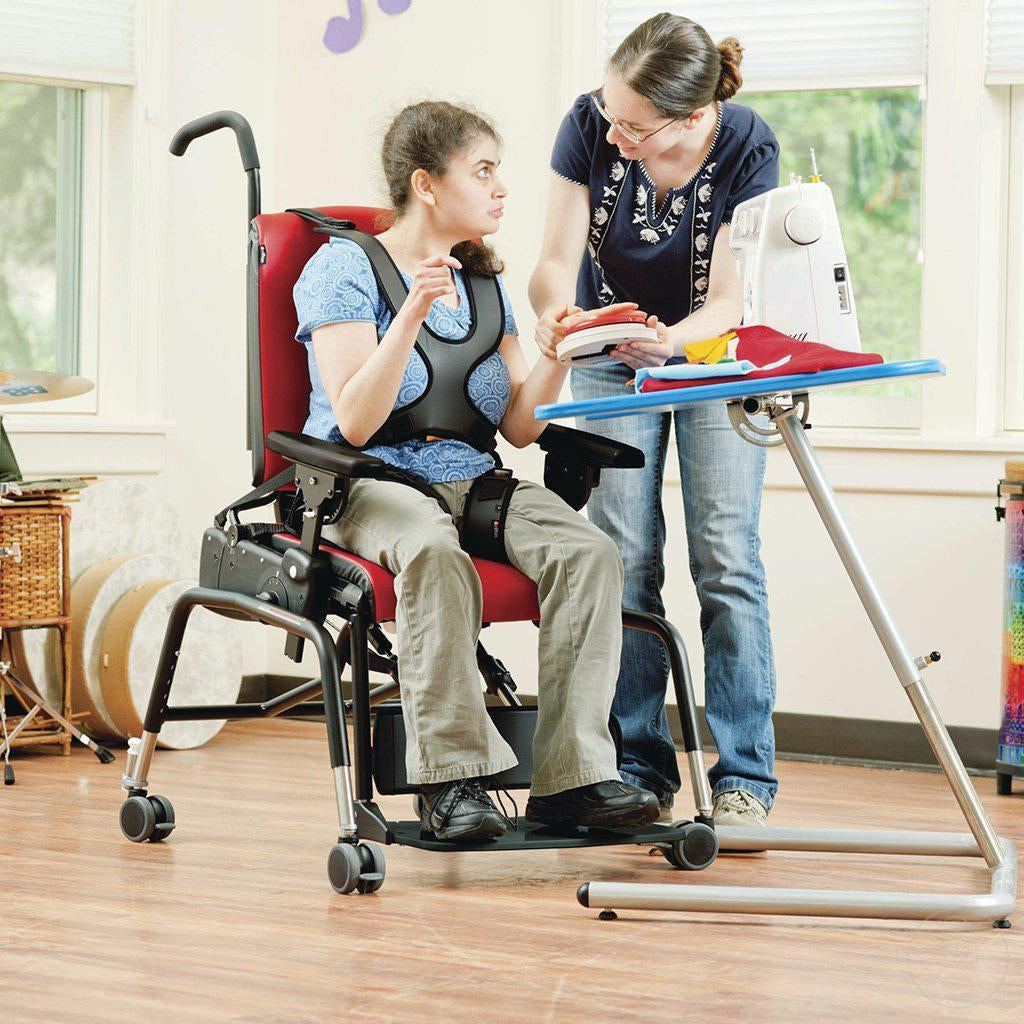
column 653, row 231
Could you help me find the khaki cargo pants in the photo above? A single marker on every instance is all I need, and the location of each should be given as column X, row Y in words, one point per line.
column 579, row 579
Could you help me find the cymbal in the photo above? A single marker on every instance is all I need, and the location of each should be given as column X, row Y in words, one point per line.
column 20, row 386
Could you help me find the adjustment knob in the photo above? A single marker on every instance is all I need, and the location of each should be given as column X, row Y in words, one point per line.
column 804, row 224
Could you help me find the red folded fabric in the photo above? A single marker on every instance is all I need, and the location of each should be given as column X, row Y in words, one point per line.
column 762, row 345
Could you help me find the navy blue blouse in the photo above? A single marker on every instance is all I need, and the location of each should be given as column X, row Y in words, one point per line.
column 659, row 257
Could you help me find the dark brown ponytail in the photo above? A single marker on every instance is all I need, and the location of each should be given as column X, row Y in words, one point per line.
column 427, row 136
column 672, row 62
column 730, row 80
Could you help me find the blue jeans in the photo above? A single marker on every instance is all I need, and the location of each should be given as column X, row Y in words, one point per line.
column 721, row 478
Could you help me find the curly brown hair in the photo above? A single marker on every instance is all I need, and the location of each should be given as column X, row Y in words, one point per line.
column 427, row 136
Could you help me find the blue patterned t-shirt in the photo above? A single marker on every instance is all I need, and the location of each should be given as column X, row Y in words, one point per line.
column 337, row 285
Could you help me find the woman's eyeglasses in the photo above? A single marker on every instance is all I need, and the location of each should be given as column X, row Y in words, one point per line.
column 598, row 99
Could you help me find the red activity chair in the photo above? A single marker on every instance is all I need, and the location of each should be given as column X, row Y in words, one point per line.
column 283, row 575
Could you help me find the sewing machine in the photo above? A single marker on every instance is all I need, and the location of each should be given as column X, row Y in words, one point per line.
column 792, row 262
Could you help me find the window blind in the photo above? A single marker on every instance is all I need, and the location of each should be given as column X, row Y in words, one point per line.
column 1004, row 42
column 801, row 43
column 83, row 40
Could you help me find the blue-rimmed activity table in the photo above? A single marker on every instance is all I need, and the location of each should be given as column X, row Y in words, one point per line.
column 774, row 412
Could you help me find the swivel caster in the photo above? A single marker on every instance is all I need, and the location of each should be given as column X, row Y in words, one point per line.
column 697, row 849
column 147, row 819
column 355, row 866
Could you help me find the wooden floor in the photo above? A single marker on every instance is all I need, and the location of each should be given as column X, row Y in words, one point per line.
column 233, row 918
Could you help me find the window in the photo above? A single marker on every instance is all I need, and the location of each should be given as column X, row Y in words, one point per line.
column 1014, row 376
column 847, row 83
column 40, row 210
column 868, row 148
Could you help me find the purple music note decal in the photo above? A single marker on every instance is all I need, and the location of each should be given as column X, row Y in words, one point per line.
column 342, row 33
column 394, row 6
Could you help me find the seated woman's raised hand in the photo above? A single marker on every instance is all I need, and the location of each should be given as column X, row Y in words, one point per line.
column 431, row 279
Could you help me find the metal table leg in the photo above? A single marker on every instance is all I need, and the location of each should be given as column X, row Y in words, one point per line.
column 999, row 854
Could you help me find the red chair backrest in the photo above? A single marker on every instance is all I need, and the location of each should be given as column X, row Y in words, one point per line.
column 279, row 396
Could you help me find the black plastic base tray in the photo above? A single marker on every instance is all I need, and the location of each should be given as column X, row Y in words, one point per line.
column 1005, row 768
column 532, row 836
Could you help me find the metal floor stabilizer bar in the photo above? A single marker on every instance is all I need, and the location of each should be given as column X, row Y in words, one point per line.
column 788, row 423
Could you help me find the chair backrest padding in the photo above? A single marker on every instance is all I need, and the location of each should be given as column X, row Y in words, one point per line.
column 281, row 244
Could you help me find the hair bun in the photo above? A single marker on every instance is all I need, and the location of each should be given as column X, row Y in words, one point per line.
column 731, row 54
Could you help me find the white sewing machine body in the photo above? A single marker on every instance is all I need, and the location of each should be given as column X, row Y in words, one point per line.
column 792, row 262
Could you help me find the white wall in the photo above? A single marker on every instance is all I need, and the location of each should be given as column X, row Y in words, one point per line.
column 923, row 518
column 333, row 110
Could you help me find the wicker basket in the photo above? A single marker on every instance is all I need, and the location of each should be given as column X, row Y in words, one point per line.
column 32, row 582
column 35, row 592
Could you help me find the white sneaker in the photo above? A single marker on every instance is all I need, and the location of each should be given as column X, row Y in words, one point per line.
column 737, row 807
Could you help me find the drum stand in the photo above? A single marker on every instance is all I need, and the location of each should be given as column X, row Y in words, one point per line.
column 787, row 426
column 35, row 704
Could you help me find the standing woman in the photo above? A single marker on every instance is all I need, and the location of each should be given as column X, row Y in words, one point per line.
column 648, row 170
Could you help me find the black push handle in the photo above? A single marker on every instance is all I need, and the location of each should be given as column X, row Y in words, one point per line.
column 188, row 133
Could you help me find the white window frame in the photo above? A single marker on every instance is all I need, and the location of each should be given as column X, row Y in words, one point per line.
column 965, row 164
column 123, row 215
column 1013, row 376
column 89, row 249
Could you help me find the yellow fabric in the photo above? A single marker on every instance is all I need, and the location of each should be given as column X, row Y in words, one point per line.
column 713, row 350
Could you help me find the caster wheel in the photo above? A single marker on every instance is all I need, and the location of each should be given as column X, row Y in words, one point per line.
column 371, row 878
column 138, row 819
column 147, row 818
column 696, row 850
column 352, row 867
column 164, row 818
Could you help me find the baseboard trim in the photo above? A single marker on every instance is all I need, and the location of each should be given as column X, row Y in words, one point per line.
column 797, row 736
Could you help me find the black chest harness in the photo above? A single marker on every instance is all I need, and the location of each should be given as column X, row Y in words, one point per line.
column 445, row 410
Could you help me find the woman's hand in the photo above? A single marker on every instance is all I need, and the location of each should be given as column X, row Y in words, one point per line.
column 551, row 328
column 431, row 279
column 557, row 320
column 646, row 353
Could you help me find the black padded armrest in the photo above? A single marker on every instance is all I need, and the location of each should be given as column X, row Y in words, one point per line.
column 589, row 449
column 331, row 458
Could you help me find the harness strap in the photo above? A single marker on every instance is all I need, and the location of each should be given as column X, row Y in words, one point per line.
column 444, row 409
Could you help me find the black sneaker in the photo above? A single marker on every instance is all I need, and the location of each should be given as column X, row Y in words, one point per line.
column 599, row 805
column 461, row 810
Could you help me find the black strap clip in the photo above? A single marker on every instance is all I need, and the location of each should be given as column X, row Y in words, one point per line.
column 482, row 532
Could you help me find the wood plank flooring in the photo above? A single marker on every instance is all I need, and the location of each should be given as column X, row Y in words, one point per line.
column 233, row 920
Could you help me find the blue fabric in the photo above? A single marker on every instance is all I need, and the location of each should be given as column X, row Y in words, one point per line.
column 692, row 371
column 337, row 285
column 721, row 477
column 659, row 258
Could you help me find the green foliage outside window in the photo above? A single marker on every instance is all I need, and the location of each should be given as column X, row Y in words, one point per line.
column 868, row 146
column 40, row 193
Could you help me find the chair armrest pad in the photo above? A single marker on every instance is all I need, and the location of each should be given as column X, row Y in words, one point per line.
column 326, row 456
column 589, row 449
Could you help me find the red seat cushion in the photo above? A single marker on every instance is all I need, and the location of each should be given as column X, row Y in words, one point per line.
column 509, row 596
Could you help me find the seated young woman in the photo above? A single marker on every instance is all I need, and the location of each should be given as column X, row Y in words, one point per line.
column 441, row 166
